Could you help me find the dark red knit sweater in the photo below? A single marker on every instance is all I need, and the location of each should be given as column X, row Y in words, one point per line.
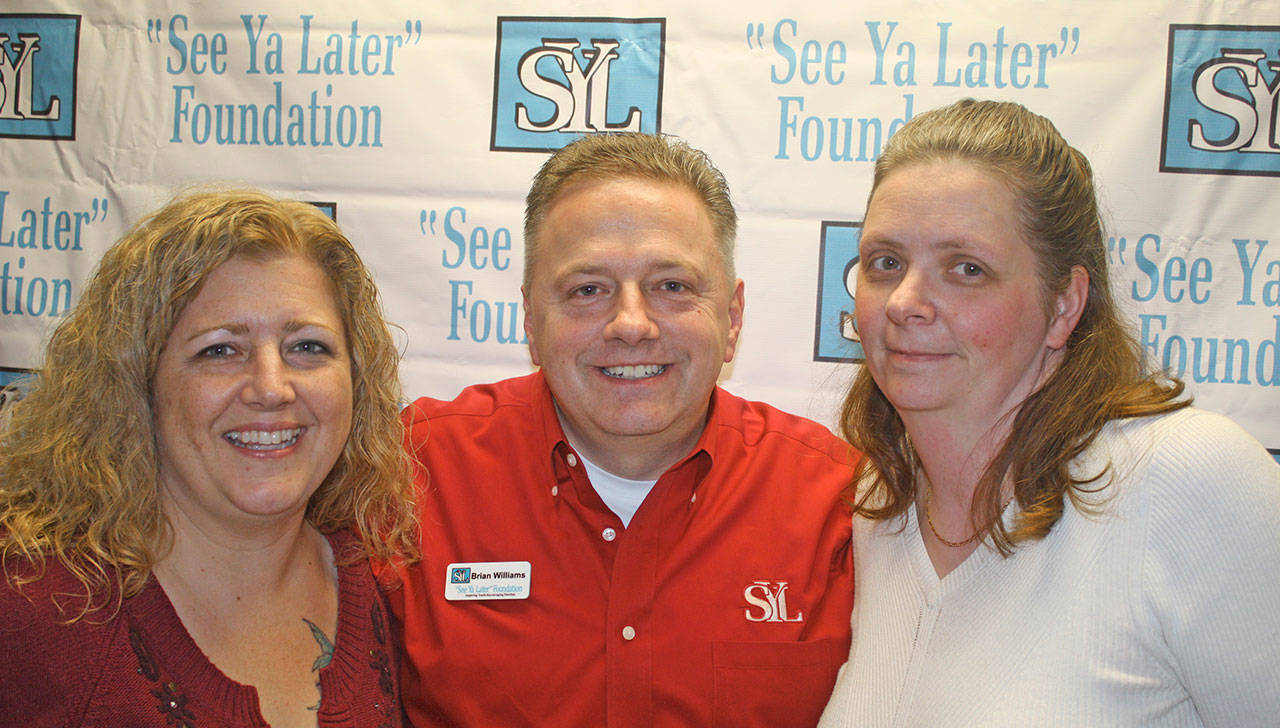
column 140, row 667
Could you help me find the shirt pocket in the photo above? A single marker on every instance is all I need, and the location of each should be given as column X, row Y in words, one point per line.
column 774, row 684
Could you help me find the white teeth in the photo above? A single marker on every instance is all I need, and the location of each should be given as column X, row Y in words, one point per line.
column 264, row 439
column 640, row 371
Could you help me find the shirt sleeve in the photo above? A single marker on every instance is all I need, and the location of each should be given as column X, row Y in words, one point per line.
column 1211, row 569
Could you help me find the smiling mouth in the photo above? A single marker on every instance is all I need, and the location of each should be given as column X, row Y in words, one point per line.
column 264, row 439
column 916, row 355
column 639, row 371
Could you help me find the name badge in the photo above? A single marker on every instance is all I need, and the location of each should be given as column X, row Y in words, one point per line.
column 487, row 580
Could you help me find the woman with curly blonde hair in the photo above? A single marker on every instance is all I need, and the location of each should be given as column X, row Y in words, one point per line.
column 193, row 485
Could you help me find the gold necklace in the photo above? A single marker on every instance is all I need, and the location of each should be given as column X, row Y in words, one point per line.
column 928, row 496
column 928, row 517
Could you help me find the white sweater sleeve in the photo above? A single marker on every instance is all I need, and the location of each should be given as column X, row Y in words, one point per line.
column 1211, row 568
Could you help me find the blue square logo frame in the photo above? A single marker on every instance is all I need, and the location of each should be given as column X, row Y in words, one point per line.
column 838, row 258
column 39, row 62
column 1222, row 90
column 330, row 209
column 556, row 79
column 10, row 375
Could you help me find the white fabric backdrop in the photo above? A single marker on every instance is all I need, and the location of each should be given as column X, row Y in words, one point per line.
column 406, row 120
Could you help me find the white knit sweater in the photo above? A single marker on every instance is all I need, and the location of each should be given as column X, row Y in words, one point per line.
column 1162, row 610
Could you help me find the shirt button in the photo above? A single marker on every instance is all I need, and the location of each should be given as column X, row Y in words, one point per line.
column 572, row 460
column 608, row 534
column 628, row 633
column 555, row 491
column 693, row 498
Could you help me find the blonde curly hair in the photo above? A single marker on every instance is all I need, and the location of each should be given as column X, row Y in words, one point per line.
column 78, row 472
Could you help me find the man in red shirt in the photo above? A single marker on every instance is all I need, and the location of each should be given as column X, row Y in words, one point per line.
column 615, row 540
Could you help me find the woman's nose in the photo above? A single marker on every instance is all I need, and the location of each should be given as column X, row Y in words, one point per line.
column 911, row 300
column 270, row 381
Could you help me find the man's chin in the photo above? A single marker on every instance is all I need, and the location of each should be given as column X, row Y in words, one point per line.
column 636, row 426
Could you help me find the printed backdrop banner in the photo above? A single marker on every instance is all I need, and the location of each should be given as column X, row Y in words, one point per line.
column 419, row 126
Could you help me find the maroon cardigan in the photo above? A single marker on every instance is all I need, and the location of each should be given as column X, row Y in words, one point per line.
column 140, row 667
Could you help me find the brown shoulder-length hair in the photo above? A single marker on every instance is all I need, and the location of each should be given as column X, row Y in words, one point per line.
column 1100, row 376
column 78, row 472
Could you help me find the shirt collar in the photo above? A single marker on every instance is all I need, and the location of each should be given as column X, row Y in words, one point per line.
column 701, row 457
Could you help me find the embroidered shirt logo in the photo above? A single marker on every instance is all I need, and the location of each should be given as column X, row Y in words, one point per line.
column 768, row 602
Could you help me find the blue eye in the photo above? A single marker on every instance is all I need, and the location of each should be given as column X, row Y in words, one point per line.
column 969, row 270
column 586, row 291
column 884, row 262
column 673, row 286
column 311, row 346
column 217, row 350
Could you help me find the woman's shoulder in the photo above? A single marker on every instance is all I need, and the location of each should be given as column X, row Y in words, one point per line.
column 1210, row 560
column 39, row 593
column 51, row 657
column 1186, row 423
column 1196, row 469
column 1190, row 446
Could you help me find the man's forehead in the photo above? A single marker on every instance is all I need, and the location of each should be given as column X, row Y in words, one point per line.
column 635, row 222
column 626, row 206
column 615, row 260
column 588, row 179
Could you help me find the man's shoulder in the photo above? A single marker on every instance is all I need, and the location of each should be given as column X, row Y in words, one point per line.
column 760, row 424
column 493, row 420
column 478, row 400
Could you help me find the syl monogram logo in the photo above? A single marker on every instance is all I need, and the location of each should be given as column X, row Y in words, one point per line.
column 582, row 107
column 768, row 602
column 15, row 80
column 1253, row 117
column 558, row 78
column 38, row 58
column 1223, row 91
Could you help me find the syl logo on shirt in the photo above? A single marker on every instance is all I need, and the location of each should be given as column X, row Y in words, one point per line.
column 771, row 600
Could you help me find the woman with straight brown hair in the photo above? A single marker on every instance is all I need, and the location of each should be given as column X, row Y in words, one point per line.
column 1044, row 533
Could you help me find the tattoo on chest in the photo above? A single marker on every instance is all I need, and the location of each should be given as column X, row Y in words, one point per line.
column 325, row 657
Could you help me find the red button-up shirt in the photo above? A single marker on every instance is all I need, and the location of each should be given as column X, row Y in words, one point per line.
column 725, row 602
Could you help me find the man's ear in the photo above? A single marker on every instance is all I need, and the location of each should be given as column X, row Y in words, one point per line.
column 528, row 326
column 736, row 304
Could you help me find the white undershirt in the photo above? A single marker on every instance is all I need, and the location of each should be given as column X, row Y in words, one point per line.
column 623, row 496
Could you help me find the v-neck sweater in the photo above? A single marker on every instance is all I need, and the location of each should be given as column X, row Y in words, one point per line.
column 1159, row 608
column 139, row 666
